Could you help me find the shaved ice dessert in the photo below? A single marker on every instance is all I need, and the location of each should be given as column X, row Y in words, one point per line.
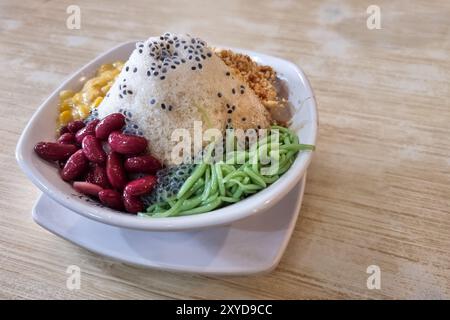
column 173, row 80
column 116, row 136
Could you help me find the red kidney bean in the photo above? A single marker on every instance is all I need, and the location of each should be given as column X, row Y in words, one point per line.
column 97, row 175
column 67, row 138
column 114, row 121
column 89, row 129
column 63, row 130
column 93, row 150
column 75, row 166
column 87, row 188
column 53, row 151
column 132, row 204
column 142, row 164
column 140, row 186
column 127, row 144
column 111, row 198
column 115, row 172
column 75, row 126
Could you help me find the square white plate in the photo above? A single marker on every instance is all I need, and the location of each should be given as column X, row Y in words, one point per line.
column 249, row 246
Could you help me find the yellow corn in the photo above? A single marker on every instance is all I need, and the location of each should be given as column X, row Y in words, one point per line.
column 77, row 105
column 106, row 88
column 65, row 94
column 83, row 110
column 76, row 98
column 105, row 67
column 65, row 106
column 97, row 102
column 65, row 117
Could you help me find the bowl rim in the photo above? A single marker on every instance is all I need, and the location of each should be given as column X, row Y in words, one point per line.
column 256, row 203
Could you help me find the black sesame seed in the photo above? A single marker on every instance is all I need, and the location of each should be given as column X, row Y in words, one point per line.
column 200, row 66
column 233, row 108
column 219, row 95
column 152, row 101
column 209, row 54
column 228, row 106
column 170, row 108
column 173, row 67
column 124, row 92
column 183, row 61
column 127, row 68
column 243, row 119
column 162, row 77
column 140, row 50
column 149, row 73
column 124, row 80
column 242, row 91
column 228, row 120
column 229, row 111
column 163, row 106
column 120, row 96
column 203, row 56
column 130, row 92
column 193, row 68
column 163, row 70
column 155, row 73
column 135, row 70
column 233, row 91
column 227, row 74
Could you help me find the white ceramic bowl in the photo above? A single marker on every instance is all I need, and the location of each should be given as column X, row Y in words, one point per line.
column 45, row 176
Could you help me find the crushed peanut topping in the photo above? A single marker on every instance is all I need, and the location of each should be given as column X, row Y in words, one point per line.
column 260, row 78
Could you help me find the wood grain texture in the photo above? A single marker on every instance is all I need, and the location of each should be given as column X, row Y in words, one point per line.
column 378, row 190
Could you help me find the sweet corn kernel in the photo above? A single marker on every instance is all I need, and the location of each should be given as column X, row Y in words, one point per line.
column 105, row 67
column 90, row 95
column 98, row 81
column 106, row 88
column 77, row 98
column 77, row 105
column 65, row 107
column 83, row 110
column 65, row 117
column 63, row 95
column 97, row 102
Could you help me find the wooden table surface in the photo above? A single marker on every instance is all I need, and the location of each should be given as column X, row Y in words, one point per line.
column 378, row 189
